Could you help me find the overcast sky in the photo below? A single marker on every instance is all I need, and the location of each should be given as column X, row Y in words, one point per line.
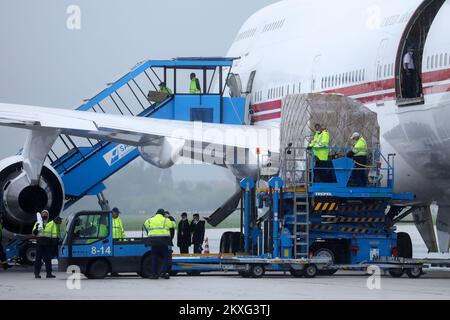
column 44, row 63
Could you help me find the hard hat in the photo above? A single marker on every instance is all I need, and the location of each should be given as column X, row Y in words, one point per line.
column 355, row 135
column 44, row 213
column 160, row 211
column 116, row 210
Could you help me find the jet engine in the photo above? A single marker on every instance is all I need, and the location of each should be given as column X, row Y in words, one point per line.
column 21, row 200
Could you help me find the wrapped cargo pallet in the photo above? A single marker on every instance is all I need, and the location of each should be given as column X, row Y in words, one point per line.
column 340, row 115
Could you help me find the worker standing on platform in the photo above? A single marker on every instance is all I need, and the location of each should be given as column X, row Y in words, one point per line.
column 320, row 146
column 3, row 260
column 359, row 153
column 164, row 89
column 159, row 239
column 47, row 237
column 184, row 234
column 410, row 78
column 118, row 230
column 194, row 87
column 198, row 233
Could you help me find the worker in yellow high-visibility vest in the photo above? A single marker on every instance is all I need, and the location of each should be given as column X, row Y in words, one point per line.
column 118, row 230
column 158, row 228
column 48, row 234
column 320, row 147
column 359, row 153
column 194, row 87
column 164, row 89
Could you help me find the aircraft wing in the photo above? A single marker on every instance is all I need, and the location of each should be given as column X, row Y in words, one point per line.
column 135, row 131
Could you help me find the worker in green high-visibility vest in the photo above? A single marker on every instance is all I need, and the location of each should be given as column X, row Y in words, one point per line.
column 48, row 234
column 164, row 89
column 320, row 149
column 359, row 154
column 194, row 87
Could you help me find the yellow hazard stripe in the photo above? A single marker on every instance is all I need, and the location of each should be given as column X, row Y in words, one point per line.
column 318, row 205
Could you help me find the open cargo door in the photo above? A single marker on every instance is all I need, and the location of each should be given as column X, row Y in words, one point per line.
column 409, row 88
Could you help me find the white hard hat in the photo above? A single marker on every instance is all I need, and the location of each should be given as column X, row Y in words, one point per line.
column 355, row 135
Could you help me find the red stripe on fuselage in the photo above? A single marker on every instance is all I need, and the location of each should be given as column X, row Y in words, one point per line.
column 370, row 87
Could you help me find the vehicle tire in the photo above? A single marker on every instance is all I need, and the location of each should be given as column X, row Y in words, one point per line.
column 173, row 273
column 414, row 273
column 310, row 271
column 396, row 273
column 98, row 269
column 146, row 267
column 404, row 245
column 327, row 272
column 297, row 273
column 28, row 254
column 245, row 274
column 326, row 253
column 225, row 242
column 236, row 242
column 257, row 271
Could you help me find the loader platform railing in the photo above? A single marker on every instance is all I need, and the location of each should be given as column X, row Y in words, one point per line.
column 301, row 168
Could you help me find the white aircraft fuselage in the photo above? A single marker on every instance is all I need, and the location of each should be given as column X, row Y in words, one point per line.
column 351, row 48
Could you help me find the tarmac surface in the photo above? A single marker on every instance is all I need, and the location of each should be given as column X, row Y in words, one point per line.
column 19, row 283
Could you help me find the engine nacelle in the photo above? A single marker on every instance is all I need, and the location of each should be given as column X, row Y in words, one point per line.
column 19, row 200
column 163, row 153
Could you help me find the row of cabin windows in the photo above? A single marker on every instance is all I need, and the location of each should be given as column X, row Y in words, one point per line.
column 268, row 27
column 438, row 61
column 343, row 79
column 246, row 34
column 274, row 25
column 278, row 92
column 385, row 71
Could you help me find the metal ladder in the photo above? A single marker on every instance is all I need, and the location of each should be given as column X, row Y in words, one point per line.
column 296, row 177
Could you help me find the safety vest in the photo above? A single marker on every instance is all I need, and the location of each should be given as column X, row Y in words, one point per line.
column 166, row 90
column 158, row 226
column 50, row 230
column 193, row 88
column 360, row 147
column 118, row 230
column 320, row 144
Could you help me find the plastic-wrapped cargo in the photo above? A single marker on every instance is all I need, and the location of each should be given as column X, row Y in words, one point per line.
column 340, row 115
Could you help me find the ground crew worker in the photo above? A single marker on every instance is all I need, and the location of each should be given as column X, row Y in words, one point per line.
column 47, row 237
column 3, row 259
column 198, row 233
column 194, row 88
column 118, row 230
column 184, row 234
column 359, row 153
column 320, row 146
column 409, row 68
column 159, row 239
column 164, row 89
